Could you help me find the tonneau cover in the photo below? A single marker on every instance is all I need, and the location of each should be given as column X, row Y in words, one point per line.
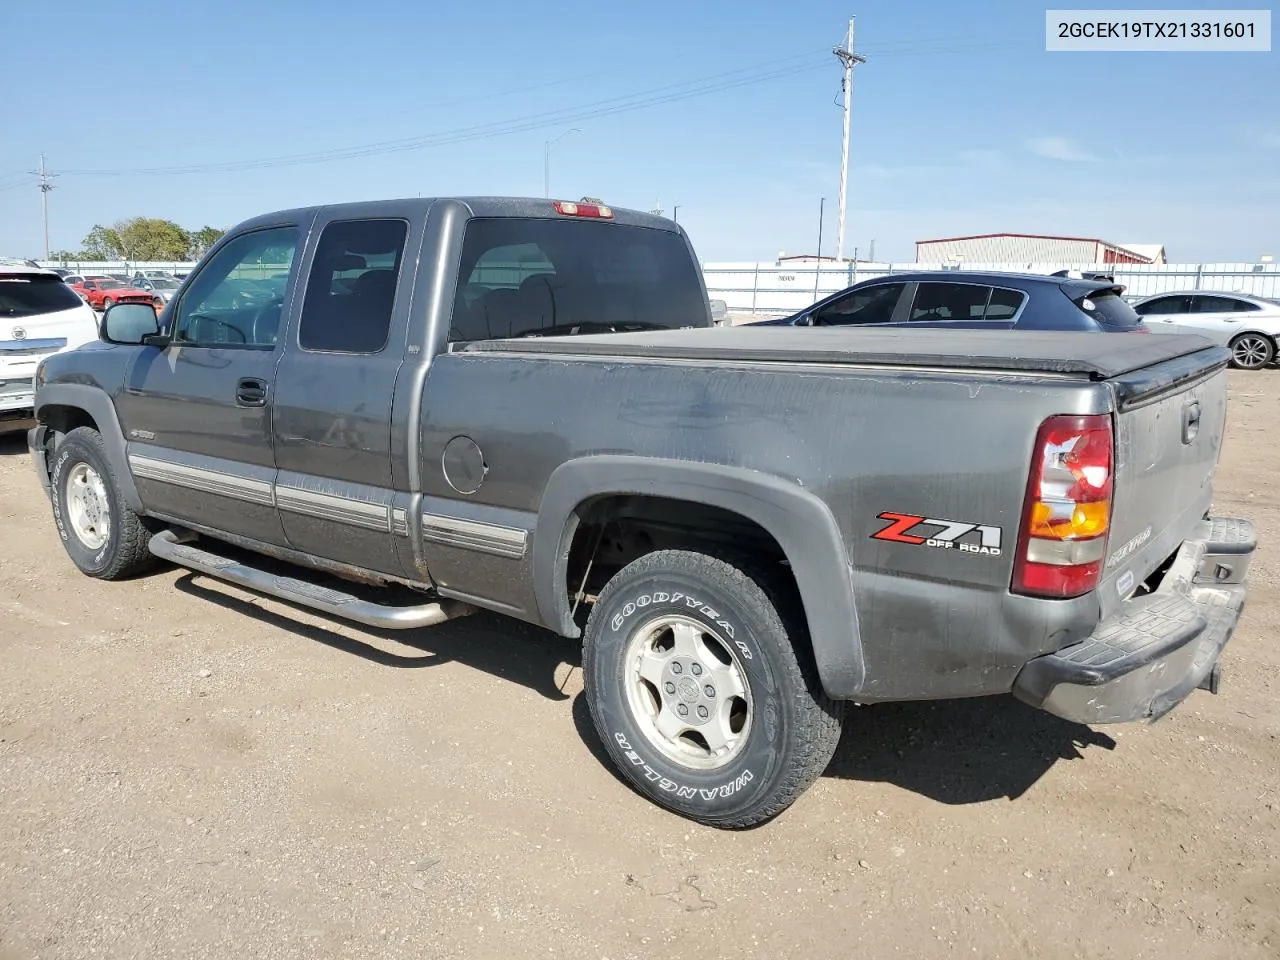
column 1096, row 355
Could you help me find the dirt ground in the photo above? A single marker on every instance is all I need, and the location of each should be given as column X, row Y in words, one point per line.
column 190, row 771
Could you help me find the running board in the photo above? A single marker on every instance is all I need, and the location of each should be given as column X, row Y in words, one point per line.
column 168, row 546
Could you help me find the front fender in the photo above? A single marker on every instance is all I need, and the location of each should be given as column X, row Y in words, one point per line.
column 801, row 523
column 96, row 403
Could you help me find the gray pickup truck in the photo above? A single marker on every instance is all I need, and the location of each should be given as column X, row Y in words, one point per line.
column 499, row 404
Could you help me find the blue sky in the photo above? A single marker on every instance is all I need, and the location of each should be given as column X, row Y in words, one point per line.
column 962, row 122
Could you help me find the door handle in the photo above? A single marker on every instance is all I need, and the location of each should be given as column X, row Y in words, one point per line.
column 251, row 392
column 1190, row 421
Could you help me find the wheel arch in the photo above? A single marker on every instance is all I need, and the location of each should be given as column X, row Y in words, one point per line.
column 64, row 406
column 801, row 525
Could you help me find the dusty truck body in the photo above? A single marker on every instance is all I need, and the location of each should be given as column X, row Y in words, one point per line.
column 748, row 528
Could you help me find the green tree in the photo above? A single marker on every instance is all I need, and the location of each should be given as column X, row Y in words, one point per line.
column 63, row 256
column 147, row 238
column 201, row 240
column 101, row 243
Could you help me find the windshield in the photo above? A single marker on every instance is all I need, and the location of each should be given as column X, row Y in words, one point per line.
column 110, row 285
column 29, row 295
column 163, row 284
column 529, row 277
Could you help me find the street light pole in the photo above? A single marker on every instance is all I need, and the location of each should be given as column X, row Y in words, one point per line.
column 546, row 160
column 675, row 213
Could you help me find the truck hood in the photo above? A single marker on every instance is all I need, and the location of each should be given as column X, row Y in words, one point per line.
column 1093, row 355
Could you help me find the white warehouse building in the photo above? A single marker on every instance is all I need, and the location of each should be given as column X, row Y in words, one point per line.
column 1034, row 248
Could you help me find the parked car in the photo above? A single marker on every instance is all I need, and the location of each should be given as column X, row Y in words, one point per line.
column 521, row 405
column 161, row 287
column 71, row 279
column 140, row 275
column 39, row 316
column 719, row 313
column 101, row 294
column 1248, row 326
column 990, row 301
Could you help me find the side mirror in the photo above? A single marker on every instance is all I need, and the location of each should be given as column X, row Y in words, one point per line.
column 130, row 323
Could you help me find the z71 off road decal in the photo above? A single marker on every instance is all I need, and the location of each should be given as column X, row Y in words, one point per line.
column 949, row 535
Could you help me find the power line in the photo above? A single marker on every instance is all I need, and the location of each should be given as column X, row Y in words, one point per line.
column 684, row 90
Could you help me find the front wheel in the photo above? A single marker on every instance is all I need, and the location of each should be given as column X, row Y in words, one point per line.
column 107, row 304
column 700, row 683
column 1252, row 351
column 103, row 537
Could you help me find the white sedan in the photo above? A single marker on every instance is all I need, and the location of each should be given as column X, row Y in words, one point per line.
column 1249, row 326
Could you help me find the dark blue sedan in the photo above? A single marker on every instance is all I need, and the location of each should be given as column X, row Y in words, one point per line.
column 957, row 298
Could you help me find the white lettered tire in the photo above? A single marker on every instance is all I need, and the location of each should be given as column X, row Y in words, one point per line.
column 701, row 686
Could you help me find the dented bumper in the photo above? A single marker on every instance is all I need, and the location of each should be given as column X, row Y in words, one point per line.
column 1159, row 647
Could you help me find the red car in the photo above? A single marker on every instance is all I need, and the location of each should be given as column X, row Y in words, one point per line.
column 100, row 293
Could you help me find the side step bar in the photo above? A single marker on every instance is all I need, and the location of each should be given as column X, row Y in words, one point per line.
column 167, row 546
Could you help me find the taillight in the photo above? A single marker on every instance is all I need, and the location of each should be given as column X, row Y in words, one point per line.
column 1068, row 508
column 571, row 209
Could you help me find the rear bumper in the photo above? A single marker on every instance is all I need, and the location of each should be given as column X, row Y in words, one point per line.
column 1143, row 661
column 16, row 421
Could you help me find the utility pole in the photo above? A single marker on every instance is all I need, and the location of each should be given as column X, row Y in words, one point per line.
column 675, row 213
column 546, row 160
column 817, row 270
column 45, row 184
column 848, row 58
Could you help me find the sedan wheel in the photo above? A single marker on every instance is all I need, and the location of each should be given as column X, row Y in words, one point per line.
column 1251, row 351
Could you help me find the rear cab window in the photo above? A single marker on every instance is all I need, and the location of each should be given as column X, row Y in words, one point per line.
column 33, row 294
column 352, row 287
column 521, row 278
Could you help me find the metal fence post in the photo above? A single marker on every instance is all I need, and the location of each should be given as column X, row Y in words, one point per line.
column 755, row 286
column 1199, row 275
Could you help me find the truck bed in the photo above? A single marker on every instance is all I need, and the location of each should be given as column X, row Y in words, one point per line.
column 1091, row 355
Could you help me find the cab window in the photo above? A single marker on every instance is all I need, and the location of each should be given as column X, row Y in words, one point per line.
column 237, row 298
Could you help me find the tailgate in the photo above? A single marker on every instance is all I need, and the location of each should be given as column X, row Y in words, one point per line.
column 1170, row 420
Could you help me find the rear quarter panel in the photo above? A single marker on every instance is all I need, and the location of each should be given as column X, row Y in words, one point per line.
column 935, row 620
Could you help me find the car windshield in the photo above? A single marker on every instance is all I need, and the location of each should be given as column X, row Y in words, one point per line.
column 161, row 284
column 29, row 295
column 110, row 285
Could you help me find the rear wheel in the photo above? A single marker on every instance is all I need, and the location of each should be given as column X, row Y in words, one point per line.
column 700, row 683
column 107, row 303
column 101, row 534
column 1251, row 351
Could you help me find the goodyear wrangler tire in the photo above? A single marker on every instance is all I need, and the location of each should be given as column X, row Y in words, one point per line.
column 700, row 684
column 101, row 535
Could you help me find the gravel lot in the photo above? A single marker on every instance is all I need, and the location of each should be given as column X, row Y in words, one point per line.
column 190, row 771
